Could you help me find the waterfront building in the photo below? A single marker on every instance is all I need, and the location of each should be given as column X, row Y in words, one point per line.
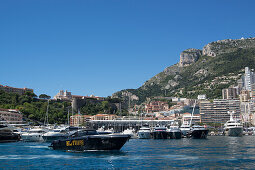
column 20, row 91
column 78, row 119
column 11, row 116
column 104, row 117
column 216, row 111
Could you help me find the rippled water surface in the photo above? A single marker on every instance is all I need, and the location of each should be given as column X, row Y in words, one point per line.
column 213, row 153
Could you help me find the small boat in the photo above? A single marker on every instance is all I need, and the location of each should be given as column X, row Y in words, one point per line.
column 233, row 127
column 58, row 133
column 101, row 131
column 130, row 132
column 174, row 132
column 90, row 140
column 159, row 133
column 7, row 134
column 34, row 135
column 144, row 133
column 199, row 132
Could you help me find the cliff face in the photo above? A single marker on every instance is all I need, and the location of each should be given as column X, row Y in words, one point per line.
column 226, row 46
column 189, row 56
column 204, row 71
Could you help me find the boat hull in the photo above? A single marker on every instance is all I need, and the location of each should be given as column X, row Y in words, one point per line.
column 175, row 135
column 236, row 131
column 199, row 134
column 32, row 137
column 9, row 137
column 159, row 135
column 92, row 142
column 144, row 135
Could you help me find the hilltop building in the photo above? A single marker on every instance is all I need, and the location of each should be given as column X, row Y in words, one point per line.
column 20, row 91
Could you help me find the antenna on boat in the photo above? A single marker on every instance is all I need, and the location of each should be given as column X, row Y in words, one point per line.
column 192, row 113
column 46, row 120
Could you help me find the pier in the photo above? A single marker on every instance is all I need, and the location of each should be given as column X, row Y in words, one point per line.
column 121, row 125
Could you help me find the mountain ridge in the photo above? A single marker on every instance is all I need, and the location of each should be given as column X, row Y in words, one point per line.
column 216, row 66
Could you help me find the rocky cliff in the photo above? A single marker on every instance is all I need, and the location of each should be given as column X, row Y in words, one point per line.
column 189, row 56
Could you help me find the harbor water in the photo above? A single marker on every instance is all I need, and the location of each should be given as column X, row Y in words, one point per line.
column 216, row 152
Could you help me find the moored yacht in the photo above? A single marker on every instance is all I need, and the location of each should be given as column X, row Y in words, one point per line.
column 34, row 135
column 233, row 127
column 159, row 133
column 7, row 134
column 144, row 132
column 185, row 129
column 130, row 132
column 174, row 132
column 199, row 132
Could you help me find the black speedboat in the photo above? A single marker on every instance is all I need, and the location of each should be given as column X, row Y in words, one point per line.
column 199, row 132
column 160, row 133
column 90, row 140
column 7, row 135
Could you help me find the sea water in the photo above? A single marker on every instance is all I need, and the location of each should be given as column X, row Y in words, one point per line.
column 216, row 152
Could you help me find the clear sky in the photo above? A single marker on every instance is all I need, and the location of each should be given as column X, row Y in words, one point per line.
column 102, row 46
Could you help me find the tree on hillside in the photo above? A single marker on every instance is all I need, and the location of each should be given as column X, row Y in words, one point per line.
column 44, row 96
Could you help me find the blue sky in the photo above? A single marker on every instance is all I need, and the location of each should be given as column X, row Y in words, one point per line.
column 102, row 46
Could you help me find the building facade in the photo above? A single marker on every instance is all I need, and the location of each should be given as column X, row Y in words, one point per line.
column 11, row 116
column 217, row 110
column 20, row 91
column 156, row 106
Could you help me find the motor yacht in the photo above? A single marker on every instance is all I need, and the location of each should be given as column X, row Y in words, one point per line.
column 159, row 133
column 233, row 127
column 174, row 132
column 85, row 140
column 130, row 132
column 144, row 132
column 34, row 135
column 199, row 132
column 7, row 134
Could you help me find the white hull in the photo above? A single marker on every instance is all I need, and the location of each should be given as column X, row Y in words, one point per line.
column 235, row 131
column 144, row 135
column 32, row 137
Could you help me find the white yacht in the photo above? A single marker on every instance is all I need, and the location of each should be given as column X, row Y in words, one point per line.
column 233, row 127
column 174, row 132
column 56, row 134
column 185, row 129
column 34, row 135
column 130, row 132
column 144, row 132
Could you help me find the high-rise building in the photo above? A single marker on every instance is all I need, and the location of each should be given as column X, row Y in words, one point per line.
column 249, row 78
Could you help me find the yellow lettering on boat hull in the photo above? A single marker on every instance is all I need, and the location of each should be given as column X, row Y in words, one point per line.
column 75, row 143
